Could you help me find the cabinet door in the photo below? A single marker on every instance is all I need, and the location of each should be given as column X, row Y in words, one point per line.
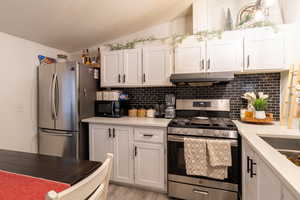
column 149, row 165
column 287, row 195
column 100, row 143
column 189, row 58
column 264, row 50
column 224, row 55
column 249, row 183
column 157, row 66
column 123, row 154
column 111, row 68
column 269, row 186
column 132, row 67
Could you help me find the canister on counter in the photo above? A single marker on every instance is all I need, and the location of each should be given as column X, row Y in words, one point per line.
column 132, row 112
column 141, row 112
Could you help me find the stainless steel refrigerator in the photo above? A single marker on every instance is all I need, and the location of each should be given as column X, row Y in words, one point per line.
column 66, row 95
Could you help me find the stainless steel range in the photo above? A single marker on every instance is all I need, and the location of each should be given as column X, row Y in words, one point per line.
column 198, row 118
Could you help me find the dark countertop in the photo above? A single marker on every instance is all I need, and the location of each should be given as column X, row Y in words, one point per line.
column 64, row 170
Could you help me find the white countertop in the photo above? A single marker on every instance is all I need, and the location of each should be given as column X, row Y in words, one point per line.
column 130, row 121
column 286, row 170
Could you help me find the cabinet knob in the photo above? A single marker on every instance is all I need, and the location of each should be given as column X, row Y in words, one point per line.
column 208, row 63
column 109, row 132
column 202, row 64
column 248, row 164
column 248, row 61
column 252, row 174
column 135, row 151
column 114, row 132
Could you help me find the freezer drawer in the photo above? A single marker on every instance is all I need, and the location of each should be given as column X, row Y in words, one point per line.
column 58, row 143
column 191, row 192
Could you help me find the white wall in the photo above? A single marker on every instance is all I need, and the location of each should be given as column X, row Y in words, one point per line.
column 18, row 89
column 180, row 25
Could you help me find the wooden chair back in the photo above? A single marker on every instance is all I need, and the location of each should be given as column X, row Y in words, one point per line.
column 94, row 187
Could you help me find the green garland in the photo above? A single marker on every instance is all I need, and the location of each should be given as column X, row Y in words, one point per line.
column 174, row 39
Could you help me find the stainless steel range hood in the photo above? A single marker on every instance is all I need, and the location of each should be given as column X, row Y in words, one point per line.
column 203, row 79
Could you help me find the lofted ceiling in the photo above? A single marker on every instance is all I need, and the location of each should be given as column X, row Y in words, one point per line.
column 71, row 25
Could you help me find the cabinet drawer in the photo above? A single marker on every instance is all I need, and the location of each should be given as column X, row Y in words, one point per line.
column 185, row 191
column 149, row 135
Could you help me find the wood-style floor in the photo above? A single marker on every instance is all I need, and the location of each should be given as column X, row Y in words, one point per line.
column 126, row 193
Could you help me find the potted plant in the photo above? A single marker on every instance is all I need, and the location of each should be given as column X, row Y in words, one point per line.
column 250, row 97
column 260, row 104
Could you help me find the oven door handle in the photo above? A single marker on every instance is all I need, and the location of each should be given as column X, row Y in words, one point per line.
column 172, row 138
column 200, row 192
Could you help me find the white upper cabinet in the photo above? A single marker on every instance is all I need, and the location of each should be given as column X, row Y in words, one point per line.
column 190, row 58
column 264, row 50
column 148, row 66
column 157, row 65
column 112, row 68
column 132, row 67
column 225, row 54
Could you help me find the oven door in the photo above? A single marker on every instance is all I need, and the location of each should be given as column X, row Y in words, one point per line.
column 176, row 161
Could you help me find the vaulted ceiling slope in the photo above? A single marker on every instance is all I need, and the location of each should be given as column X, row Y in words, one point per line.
column 71, row 25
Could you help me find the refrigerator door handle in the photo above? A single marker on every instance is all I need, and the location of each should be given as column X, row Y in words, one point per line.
column 56, row 133
column 53, row 96
column 56, row 97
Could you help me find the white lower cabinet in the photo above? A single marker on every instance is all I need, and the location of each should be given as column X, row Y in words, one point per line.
column 139, row 153
column 269, row 184
column 123, row 158
column 149, row 165
column 100, row 143
column 259, row 180
column 286, row 194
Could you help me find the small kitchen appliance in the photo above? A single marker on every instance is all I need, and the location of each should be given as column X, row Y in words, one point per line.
column 113, row 104
column 170, row 104
column 204, row 119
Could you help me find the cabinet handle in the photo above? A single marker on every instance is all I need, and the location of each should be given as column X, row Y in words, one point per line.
column 135, row 151
column 252, row 174
column 119, row 78
column 248, row 164
column 114, row 132
column 148, row 135
column 200, row 192
column 248, row 61
column 109, row 133
column 144, row 78
column 208, row 63
column 202, row 64
column 124, row 78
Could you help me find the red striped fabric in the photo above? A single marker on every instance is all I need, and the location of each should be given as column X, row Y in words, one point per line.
column 22, row 187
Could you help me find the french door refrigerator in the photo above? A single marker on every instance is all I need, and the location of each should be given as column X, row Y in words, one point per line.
column 66, row 95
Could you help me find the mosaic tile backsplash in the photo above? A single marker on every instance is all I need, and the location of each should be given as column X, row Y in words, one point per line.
column 269, row 83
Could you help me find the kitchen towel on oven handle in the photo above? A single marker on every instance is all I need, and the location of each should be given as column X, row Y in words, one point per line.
column 197, row 158
column 219, row 153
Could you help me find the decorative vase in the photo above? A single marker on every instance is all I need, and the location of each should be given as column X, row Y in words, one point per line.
column 260, row 114
column 229, row 21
